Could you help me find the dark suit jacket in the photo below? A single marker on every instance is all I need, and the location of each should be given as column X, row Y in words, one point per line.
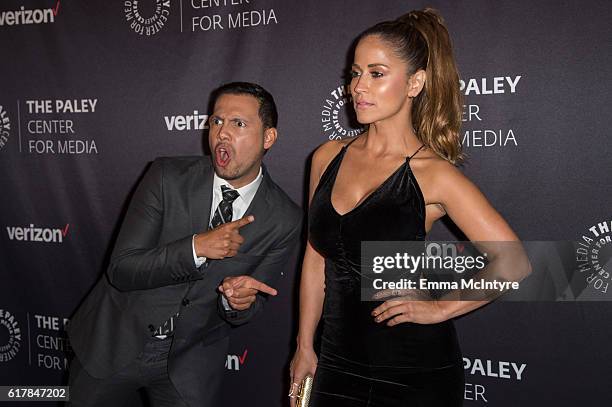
column 152, row 276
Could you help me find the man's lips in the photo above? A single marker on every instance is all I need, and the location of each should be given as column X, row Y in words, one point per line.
column 223, row 154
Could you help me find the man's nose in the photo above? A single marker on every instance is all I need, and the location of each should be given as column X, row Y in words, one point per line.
column 224, row 133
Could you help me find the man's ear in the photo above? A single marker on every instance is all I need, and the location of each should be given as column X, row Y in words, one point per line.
column 270, row 136
column 416, row 82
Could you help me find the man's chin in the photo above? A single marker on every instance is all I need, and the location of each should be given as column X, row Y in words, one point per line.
column 225, row 173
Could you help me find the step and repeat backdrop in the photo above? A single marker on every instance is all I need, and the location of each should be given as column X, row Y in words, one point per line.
column 93, row 91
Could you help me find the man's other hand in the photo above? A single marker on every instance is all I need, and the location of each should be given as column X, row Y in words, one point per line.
column 241, row 291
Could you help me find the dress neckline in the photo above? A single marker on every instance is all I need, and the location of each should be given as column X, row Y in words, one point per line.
column 367, row 197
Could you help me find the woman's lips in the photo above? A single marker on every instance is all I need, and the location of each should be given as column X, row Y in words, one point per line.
column 363, row 105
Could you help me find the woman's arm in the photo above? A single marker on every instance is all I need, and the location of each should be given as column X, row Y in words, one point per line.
column 480, row 222
column 312, row 284
column 312, row 294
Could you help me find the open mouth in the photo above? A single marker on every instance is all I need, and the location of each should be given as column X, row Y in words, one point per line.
column 223, row 155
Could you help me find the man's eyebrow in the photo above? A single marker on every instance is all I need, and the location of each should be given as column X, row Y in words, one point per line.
column 235, row 118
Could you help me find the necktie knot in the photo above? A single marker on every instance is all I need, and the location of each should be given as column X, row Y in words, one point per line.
column 224, row 212
column 229, row 194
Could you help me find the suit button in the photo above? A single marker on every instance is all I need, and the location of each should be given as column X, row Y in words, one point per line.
column 185, row 302
column 151, row 328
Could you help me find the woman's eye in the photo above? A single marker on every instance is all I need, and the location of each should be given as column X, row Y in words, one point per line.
column 376, row 74
column 354, row 74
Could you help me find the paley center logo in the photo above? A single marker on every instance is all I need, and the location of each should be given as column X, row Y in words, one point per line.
column 337, row 115
column 234, row 362
column 5, row 127
column 225, row 15
column 9, row 345
column 510, row 371
column 32, row 233
column 29, row 16
column 474, row 115
column 147, row 24
column 594, row 255
column 51, row 126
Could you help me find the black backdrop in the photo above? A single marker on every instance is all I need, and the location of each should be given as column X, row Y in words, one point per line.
column 90, row 92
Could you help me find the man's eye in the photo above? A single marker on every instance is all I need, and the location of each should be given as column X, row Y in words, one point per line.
column 376, row 74
column 354, row 74
column 240, row 124
column 216, row 121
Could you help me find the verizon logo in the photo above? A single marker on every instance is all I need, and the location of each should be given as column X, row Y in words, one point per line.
column 234, row 362
column 33, row 16
column 195, row 121
column 35, row 234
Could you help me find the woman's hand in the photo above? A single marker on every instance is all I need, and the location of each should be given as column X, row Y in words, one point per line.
column 304, row 363
column 402, row 310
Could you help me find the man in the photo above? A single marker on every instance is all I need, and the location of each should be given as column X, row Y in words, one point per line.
column 200, row 246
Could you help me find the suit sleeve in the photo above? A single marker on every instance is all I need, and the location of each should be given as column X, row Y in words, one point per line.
column 267, row 272
column 138, row 262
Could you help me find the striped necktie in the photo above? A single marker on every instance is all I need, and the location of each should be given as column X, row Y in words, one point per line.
column 224, row 211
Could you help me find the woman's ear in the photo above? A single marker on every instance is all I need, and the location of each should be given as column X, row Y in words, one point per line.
column 416, row 83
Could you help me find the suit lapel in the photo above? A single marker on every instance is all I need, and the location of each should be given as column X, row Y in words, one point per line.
column 200, row 196
column 259, row 205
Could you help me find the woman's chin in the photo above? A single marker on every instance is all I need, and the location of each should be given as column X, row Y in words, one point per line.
column 365, row 119
column 362, row 117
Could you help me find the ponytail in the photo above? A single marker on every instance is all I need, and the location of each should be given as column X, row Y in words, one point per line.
column 422, row 40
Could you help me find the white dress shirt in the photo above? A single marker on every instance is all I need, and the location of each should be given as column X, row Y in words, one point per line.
column 239, row 206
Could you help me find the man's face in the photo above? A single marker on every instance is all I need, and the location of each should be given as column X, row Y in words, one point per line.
column 237, row 138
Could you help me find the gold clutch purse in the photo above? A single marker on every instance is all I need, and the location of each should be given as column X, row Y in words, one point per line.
column 303, row 396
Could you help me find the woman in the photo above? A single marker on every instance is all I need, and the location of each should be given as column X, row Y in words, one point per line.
column 391, row 183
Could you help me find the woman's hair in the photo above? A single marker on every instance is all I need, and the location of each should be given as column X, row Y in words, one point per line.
column 421, row 39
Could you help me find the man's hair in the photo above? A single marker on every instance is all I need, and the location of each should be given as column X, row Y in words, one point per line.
column 267, row 108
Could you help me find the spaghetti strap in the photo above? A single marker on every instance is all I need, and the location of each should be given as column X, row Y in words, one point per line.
column 415, row 153
column 349, row 143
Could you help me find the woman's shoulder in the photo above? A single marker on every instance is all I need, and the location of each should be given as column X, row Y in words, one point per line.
column 436, row 173
column 435, row 166
column 330, row 148
column 441, row 180
column 326, row 152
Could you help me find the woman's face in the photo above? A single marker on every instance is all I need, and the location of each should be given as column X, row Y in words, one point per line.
column 379, row 83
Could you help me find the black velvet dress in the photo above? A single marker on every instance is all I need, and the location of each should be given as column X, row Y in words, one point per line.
column 364, row 363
